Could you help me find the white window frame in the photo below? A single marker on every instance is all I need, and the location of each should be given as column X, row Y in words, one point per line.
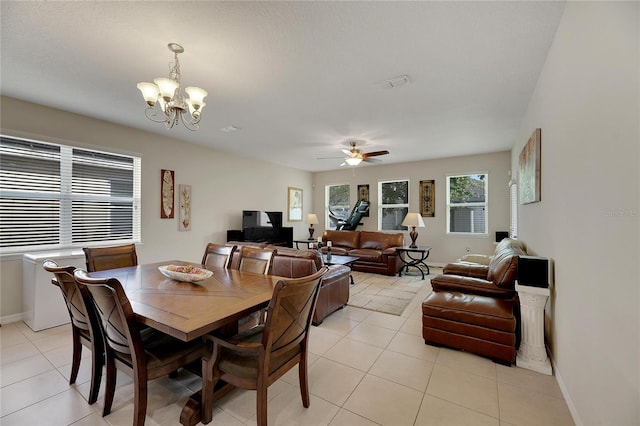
column 513, row 222
column 66, row 197
column 484, row 204
column 382, row 206
column 327, row 222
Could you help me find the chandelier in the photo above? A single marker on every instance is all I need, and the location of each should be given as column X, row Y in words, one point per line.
column 173, row 105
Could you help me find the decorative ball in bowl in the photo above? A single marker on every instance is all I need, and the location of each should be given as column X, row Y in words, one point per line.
column 188, row 273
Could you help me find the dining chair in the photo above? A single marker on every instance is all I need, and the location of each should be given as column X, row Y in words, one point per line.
column 145, row 354
column 258, row 357
column 257, row 260
column 85, row 326
column 218, row 255
column 103, row 258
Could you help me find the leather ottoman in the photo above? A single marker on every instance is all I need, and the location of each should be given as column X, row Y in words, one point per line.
column 479, row 324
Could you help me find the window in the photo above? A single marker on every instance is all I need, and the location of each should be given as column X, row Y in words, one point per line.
column 337, row 200
column 394, row 204
column 513, row 226
column 54, row 196
column 467, row 203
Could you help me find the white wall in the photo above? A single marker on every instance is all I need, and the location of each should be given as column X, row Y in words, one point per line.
column 222, row 186
column 587, row 104
column 445, row 248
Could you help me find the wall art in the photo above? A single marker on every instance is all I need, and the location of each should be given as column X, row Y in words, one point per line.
column 294, row 201
column 428, row 198
column 529, row 170
column 363, row 195
column 185, row 208
column 166, row 194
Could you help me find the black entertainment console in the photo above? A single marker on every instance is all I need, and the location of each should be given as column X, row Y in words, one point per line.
column 262, row 227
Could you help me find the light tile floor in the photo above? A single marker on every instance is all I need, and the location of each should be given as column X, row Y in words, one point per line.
column 366, row 368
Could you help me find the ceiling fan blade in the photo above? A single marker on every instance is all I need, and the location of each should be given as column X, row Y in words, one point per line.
column 374, row 153
column 328, row 158
column 372, row 160
column 346, row 151
column 343, row 164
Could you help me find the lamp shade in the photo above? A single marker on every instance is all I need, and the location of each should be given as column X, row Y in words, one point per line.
column 413, row 219
column 149, row 92
column 167, row 88
column 311, row 219
column 353, row 161
column 196, row 95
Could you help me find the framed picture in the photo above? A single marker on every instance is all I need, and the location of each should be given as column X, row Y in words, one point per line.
column 185, row 208
column 363, row 195
column 166, row 194
column 294, row 201
column 428, row 198
column 529, row 170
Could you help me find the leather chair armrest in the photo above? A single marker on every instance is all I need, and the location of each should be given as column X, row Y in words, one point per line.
column 391, row 251
column 470, row 285
column 466, row 269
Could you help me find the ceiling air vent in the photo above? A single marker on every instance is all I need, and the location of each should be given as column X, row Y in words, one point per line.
column 392, row 82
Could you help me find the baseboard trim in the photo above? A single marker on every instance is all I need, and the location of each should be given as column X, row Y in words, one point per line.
column 11, row 318
column 565, row 392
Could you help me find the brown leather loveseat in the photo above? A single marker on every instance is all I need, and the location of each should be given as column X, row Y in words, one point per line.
column 474, row 306
column 376, row 251
column 290, row 263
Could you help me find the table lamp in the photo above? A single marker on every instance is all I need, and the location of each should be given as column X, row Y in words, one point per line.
column 311, row 219
column 413, row 220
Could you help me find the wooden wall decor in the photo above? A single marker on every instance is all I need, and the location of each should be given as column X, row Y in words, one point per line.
column 428, row 198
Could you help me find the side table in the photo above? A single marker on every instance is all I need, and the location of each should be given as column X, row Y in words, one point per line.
column 413, row 256
column 305, row 242
column 532, row 353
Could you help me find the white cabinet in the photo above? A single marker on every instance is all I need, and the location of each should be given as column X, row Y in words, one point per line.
column 43, row 304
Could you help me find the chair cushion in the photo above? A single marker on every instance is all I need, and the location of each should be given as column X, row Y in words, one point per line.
column 464, row 308
column 162, row 349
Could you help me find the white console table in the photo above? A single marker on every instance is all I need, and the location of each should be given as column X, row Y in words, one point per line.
column 532, row 353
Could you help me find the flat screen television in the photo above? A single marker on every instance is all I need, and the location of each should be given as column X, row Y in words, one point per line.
column 261, row 219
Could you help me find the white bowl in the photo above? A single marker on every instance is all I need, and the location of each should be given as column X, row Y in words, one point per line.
column 183, row 276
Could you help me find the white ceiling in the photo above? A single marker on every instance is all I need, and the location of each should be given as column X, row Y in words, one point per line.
column 298, row 78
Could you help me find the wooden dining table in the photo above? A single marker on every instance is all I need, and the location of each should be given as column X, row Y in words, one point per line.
column 187, row 310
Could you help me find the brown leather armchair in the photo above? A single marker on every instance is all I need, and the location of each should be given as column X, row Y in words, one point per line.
column 474, row 306
column 497, row 279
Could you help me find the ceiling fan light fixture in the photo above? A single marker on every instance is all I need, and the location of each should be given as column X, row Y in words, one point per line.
column 353, row 161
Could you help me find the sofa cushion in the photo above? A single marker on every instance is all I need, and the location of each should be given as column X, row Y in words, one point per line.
column 347, row 239
column 366, row 255
column 380, row 240
column 466, row 269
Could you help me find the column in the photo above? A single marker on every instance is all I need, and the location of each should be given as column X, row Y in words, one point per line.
column 532, row 353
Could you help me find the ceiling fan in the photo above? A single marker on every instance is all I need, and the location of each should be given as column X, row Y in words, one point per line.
column 355, row 156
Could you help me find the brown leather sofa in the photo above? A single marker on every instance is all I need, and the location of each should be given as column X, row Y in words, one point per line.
column 375, row 250
column 474, row 306
column 290, row 263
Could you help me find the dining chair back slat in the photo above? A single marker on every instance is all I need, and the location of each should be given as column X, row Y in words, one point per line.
column 218, row 255
column 103, row 258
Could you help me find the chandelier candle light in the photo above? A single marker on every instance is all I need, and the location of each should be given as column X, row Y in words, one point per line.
column 413, row 220
column 166, row 92
column 311, row 219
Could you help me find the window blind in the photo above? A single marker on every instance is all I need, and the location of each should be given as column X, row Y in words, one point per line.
column 513, row 224
column 56, row 195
